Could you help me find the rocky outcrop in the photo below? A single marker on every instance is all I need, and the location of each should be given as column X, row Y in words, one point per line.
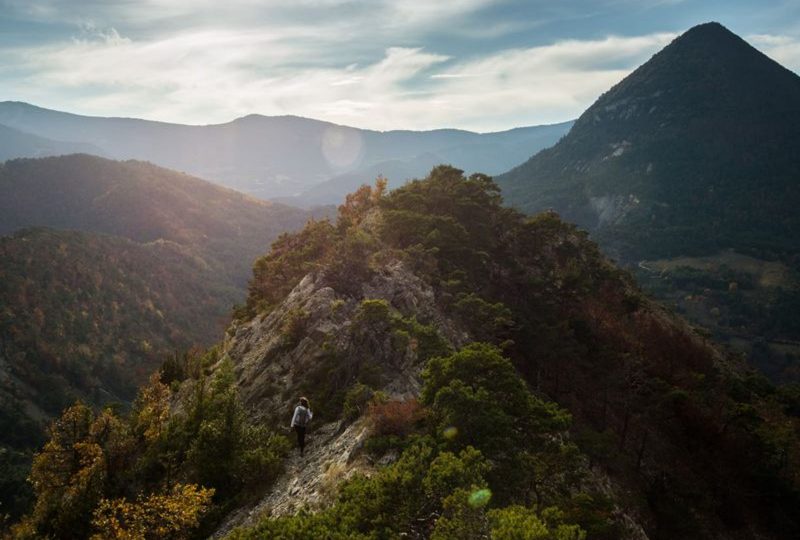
column 276, row 354
column 273, row 353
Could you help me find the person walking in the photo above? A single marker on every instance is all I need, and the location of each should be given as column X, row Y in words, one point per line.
column 300, row 419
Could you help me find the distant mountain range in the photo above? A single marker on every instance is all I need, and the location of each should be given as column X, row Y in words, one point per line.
column 688, row 171
column 15, row 143
column 280, row 156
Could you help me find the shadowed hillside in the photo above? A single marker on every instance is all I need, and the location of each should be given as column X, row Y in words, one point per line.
column 152, row 265
column 142, row 202
column 693, row 154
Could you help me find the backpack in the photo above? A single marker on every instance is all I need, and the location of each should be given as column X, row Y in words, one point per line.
column 302, row 416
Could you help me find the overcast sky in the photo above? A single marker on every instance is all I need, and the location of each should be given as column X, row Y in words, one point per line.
column 420, row 64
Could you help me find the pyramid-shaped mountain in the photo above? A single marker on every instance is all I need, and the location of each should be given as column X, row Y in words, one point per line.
column 695, row 151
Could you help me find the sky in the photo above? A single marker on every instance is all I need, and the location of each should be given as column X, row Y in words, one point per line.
column 483, row 65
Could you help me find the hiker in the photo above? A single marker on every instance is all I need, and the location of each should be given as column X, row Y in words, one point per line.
column 302, row 416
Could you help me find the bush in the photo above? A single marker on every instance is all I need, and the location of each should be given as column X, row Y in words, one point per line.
column 356, row 400
column 394, row 417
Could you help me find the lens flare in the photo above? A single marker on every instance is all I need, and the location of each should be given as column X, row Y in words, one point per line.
column 341, row 146
column 450, row 433
column 479, row 498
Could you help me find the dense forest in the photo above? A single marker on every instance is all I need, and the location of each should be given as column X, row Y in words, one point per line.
column 88, row 316
column 653, row 403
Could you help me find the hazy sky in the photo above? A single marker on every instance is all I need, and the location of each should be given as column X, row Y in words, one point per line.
column 419, row 64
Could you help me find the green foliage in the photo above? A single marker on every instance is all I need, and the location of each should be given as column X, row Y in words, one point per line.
column 374, row 312
column 401, row 498
column 105, row 472
column 442, row 487
column 294, row 327
column 423, row 339
column 446, row 215
column 520, row 523
column 460, row 519
column 343, row 251
column 478, row 399
column 349, row 269
column 356, row 400
column 291, row 257
column 486, row 321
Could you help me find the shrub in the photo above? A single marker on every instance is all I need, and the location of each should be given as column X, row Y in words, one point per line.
column 294, row 326
column 394, row 417
column 169, row 515
column 356, row 400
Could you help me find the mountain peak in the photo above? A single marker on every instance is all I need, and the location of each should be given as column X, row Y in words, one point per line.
column 707, row 68
column 683, row 136
column 708, row 30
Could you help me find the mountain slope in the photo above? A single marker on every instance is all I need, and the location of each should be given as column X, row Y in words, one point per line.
column 661, row 417
column 690, row 153
column 687, row 172
column 142, row 202
column 88, row 316
column 496, row 376
column 84, row 314
column 276, row 156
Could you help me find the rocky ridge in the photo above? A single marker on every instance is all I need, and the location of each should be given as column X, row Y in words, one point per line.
column 270, row 362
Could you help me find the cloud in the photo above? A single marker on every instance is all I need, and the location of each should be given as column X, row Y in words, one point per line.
column 379, row 64
column 215, row 75
column 783, row 49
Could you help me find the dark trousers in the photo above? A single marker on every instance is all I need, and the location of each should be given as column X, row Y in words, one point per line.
column 301, row 437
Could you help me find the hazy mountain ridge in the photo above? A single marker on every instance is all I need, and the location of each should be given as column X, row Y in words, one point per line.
column 142, row 202
column 15, row 143
column 276, row 156
column 492, row 154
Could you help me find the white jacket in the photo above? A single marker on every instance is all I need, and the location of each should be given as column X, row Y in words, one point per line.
column 302, row 416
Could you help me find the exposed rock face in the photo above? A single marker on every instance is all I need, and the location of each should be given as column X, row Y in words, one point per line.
column 274, row 353
column 270, row 363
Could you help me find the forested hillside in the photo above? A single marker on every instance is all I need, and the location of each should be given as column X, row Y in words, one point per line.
column 474, row 372
column 151, row 264
column 686, row 435
column 88, row 316
column 142, row 202
column 688, row 169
